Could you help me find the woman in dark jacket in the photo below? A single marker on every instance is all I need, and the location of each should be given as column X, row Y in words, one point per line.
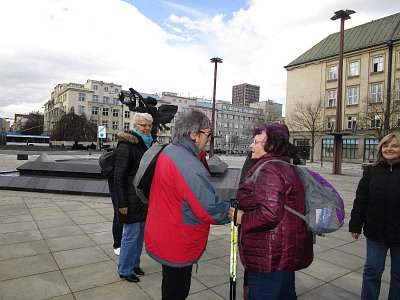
column 273, row 243
column 132, row 212
column 376, row 211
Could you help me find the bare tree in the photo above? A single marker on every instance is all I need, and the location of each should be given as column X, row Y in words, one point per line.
column 307, row 122
column 34, row 124
column 379, row 118
column 72, row 127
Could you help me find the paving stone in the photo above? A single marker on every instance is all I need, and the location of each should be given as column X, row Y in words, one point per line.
column 324, row 270
column 20, row 237
column 23, row 249
column 342, row 259
column 79, row 257
column 56, row 232
column 25, row 266
column 329, row 292
column 61, row 222
column 35, row 287
column 102, row 238
column 69, row 242
column 125, row 291
column 90, row 276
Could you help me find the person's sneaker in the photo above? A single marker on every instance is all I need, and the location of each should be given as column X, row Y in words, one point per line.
column 116, row 251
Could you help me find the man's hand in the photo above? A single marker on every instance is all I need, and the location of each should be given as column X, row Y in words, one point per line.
column 238, row 217
column 123, row 210
column 355, row 235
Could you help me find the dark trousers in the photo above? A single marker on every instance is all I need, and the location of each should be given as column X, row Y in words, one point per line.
column 175, row 282
column 116, row 226
column 274, row 285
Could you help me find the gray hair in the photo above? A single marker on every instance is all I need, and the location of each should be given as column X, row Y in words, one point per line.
column 140, row 116
column 190, row 121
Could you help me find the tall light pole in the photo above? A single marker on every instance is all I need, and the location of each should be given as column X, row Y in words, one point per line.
column 337, row 144
column 214, row 60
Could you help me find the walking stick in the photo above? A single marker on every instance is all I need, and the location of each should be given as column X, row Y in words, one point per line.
column 232, row 266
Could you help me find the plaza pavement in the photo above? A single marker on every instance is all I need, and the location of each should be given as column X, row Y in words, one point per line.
column 56, row 246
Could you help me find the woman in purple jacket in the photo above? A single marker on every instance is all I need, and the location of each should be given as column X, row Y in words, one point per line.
column 273, row 243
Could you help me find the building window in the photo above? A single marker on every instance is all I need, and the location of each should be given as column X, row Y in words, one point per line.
column 370, row 149
column 115, row 112
column 126, row 125
column 106, row 88
column 81, row 97
column 303, row 147
column 332, row 98
column 377, row 64
column 95, row 110
column 95, row 87
column 354, row 68
column 330, row 123
column 352, row 92
column 115, row 101
column 375, row 121
column 376, row 92
column 127, row 114
column 105, row 111
column 115, row 125
column 352, row 123
column 332, row 72
column 105, row 99
column 327, row 147
column 81, row 109
column 116, row 91
column 350, row 148
column 95, row 98
column 398, row 90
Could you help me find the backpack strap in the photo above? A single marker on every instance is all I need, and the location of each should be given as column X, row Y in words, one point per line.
column 254, row 176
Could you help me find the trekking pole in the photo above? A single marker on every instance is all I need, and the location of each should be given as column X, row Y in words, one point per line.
column 233, row 254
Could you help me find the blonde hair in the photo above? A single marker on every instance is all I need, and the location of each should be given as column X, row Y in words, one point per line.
column 387, row 139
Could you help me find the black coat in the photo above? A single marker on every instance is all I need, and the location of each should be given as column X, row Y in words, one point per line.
column 128, row 154
column 376, row 208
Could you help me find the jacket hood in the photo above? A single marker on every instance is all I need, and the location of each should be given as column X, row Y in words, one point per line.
column 127, row 137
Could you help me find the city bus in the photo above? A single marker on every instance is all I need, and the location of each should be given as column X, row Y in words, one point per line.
column 16, row 138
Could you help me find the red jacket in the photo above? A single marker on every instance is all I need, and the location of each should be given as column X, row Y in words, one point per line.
column 182, row 205
column 273, row 239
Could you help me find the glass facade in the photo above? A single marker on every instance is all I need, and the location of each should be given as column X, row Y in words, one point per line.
column 370, row 149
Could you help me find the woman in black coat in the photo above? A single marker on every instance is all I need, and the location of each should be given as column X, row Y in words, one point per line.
column 132, row 212
column 376, row 211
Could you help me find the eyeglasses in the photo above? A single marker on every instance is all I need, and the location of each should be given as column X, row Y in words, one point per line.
column 208, row 134
column 256, row 142
column 145, row 125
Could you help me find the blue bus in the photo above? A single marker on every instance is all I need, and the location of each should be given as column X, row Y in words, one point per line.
column 17, row 138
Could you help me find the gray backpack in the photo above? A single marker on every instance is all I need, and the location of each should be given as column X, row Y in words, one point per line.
column 324, row 207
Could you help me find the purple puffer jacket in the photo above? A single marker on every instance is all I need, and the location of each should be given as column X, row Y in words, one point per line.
column 271, row 238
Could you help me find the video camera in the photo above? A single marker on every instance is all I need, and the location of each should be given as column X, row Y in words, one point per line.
column 161, row 115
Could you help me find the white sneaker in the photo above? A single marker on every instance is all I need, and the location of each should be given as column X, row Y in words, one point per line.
column 116, row 251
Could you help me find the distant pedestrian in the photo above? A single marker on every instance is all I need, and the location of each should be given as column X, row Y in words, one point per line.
column 376, row 212
column 132, row 212
column 182, row 205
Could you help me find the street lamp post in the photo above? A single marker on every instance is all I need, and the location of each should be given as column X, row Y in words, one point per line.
column 337, row 144
column 214, row 60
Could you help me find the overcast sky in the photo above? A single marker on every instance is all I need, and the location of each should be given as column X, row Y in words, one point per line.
column 156, row 46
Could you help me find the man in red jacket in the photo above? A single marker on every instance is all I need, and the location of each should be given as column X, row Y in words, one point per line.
column 182, row 205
